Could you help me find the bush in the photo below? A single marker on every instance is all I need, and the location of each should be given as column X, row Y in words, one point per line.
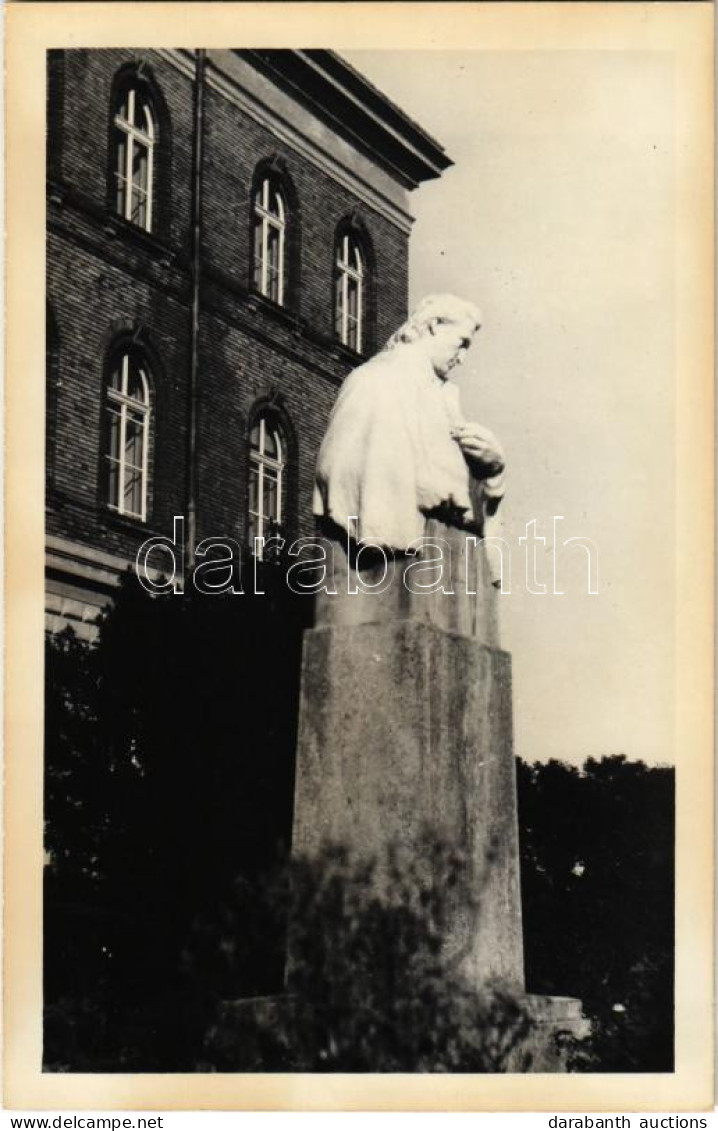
column 371, row 987
column 597, row 876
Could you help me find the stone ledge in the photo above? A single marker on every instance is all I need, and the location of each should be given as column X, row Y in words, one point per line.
column 553, row 1018
column 234, row 1039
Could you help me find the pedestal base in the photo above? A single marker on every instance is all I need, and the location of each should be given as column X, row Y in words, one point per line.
column 405, row 736
column 251, row 1035
column 553, row 1018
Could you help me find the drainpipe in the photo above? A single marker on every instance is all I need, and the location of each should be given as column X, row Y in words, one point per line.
column 197, row 159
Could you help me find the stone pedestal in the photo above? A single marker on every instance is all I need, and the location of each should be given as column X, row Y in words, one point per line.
column 250, row 1035
column 405, row 736
column 551, row 1018
column 405, row 733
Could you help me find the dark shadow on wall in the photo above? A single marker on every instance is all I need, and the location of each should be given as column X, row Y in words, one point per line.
column 169, row 753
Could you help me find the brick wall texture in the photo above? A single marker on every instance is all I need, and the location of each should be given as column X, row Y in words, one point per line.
column 108, row 281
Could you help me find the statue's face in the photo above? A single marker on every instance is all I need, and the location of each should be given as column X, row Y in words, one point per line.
column 447, row 342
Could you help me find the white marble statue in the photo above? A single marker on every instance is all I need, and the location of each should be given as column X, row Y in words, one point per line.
column 397, row 447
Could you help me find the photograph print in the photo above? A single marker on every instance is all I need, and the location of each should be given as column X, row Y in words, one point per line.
column 362, row 506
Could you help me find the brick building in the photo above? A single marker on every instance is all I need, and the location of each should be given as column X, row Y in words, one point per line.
column 227, row 237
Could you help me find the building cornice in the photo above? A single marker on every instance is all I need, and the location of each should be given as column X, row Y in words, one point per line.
column 259, row 97
column 79, row 560
column 340, row 95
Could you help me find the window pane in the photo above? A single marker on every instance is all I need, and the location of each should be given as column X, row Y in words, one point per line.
column 113, row 440
column 276, row 206
column 139, row 166
column 352, row 299
column 338, row 305
column 135, row 384
column 113, row 478
column 270, row 443
column 271, row 498
column 273, row 247
column 120, row 170
column 139, row 211
column 124, row 109
column 273, row 238
column 144, row 119
column 273, row 287
column 116, row 376
column 134, row 434
column 257, row 254
column 253, row 488
column 133, row 493
column 120, row 195
column 139, row 185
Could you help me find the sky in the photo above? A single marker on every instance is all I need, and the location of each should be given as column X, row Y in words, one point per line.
column 558, row 220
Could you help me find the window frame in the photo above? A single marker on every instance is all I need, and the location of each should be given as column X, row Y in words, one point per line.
column 120, row 404
column 133, row 136
column 349, row 244
column 259, row 463
column 265, row 220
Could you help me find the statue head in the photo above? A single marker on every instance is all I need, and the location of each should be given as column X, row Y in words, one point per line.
column 445, row 324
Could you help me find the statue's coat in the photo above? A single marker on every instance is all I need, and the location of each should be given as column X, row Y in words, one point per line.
column 388, row 456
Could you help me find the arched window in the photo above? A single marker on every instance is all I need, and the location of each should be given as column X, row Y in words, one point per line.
column 267, row 466
column 127, row 409
column 134, row 142
column 269, row 225
column 349, row 297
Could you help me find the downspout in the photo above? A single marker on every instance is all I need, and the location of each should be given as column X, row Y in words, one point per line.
column 195, row 273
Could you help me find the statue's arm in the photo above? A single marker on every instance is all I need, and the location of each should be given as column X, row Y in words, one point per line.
column 481, row 449
column 494, row 489
column 486, row 461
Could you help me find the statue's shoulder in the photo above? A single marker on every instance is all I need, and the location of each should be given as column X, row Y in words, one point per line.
column 374, row 365
column 378, row 375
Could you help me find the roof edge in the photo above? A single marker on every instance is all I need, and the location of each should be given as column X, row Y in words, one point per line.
column 342, row 97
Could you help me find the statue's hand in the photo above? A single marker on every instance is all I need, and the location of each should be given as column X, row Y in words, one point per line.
column 481, row 447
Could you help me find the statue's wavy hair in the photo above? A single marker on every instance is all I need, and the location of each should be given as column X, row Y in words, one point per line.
column 433, row 308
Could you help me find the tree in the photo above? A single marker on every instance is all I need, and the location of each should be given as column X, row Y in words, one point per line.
column 597, row 859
